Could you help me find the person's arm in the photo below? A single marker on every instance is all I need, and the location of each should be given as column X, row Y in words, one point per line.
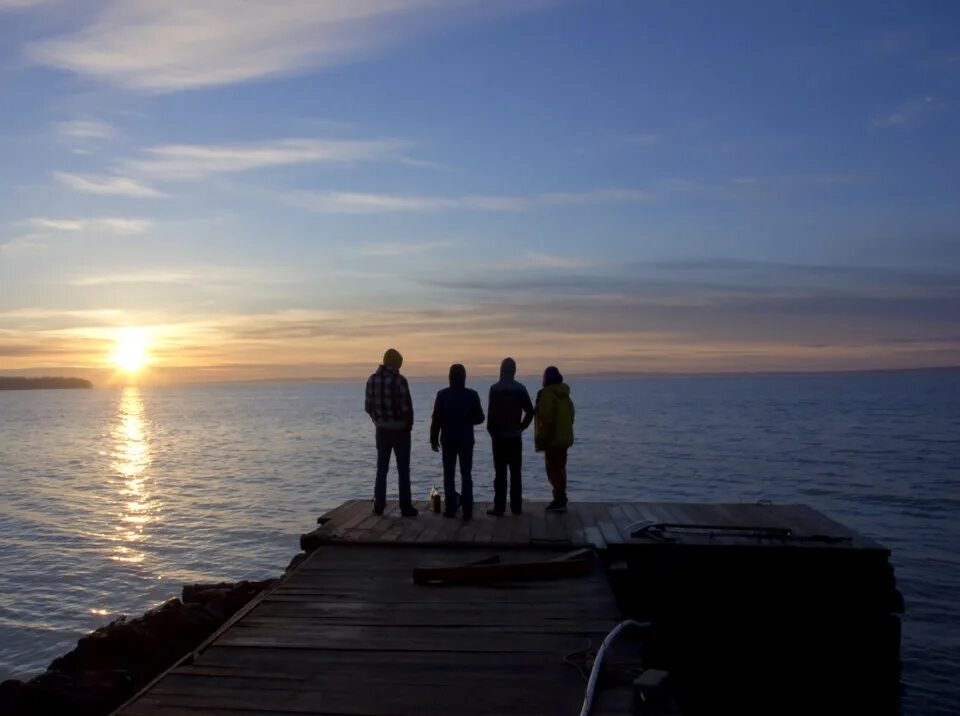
column 546, row 413
column 368, row 399
column 406, row 404
column 435, row 425
column 491, row 402
column 527, row 407
column 478, row 416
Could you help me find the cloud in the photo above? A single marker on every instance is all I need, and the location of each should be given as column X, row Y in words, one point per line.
column 18, row 4
column 698, row 316
column 362, row 203
column 548, row 261
column 111, row 185
column 193, row 161
column 394, row 248
column 104, row 224
column 204, row 276
column 184, row 44
column 85, row 129
column 908, row 114
column 24, row 243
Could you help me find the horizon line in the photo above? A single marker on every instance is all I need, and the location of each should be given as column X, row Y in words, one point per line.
column 600, row 375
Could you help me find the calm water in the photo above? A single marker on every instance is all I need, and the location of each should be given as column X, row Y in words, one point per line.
column 113, row 499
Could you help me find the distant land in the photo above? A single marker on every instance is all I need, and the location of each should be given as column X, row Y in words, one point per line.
column 46, row 383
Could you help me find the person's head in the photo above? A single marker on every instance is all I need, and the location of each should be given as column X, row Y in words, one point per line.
column 551, row 376
column 458, row 376
column 393, row 359
column 508, row 369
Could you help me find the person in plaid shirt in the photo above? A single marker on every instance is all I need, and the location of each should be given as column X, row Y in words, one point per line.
column 389, row 406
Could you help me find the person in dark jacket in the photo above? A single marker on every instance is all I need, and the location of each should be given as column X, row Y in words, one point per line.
column 389, row 406
column 553, row 433
column 455, row 411
column 509, row 413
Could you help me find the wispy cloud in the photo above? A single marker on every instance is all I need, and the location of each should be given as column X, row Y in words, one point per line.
column 401, row 248
column 184, row 44
column 362, row 203
column 85, row 129
column 193, row 161
column 201, row 275
column 548, row 261
column 24, row 243
column 103, row 224
column 908, row 114
column 107, row 184
column 18, row 4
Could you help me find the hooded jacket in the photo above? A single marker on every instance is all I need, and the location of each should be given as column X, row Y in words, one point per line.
column 509, row 410
column 455, row 411
column 555, row 413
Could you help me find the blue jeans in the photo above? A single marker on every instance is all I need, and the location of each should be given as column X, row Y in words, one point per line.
column 452, row 452
column 397, row 441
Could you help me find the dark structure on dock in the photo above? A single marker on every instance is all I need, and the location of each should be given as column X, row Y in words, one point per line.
column 754, row 609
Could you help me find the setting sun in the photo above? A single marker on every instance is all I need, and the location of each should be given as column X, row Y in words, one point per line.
column 130, row 353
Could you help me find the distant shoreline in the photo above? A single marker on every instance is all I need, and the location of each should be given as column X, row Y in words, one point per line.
column 46, row 383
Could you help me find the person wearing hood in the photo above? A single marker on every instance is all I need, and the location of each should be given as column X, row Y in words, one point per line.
column 553, row 433
column 509, row 413
column 455, row 411
column 389, row 406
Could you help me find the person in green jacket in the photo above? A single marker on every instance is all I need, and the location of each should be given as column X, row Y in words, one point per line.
column 553, row 433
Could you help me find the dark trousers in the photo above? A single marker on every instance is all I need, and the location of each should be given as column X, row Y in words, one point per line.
column 556, row 463
column 462, row 452
column 397, row 441
column 507, row 454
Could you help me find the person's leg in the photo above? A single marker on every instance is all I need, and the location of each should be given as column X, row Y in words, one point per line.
column 449, row 455
column 499, row 475
column 465, row 453
column 401, row 446
column 515, row 461
column 383, row 464
column 555, row 460
column 562, row 474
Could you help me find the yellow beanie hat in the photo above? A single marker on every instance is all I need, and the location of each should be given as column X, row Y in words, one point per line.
column 393, row 359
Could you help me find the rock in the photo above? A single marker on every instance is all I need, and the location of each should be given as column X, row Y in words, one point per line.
column 295, row 562
column 111, row 664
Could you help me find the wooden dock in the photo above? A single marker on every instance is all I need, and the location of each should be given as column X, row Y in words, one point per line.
column 347, row 631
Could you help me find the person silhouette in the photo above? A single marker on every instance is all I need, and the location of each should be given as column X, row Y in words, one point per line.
column 553, row 433
column 509, row 413
column 455, row 411
column 390, row 408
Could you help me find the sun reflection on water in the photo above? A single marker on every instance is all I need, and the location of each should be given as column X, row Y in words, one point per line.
column 131, row 458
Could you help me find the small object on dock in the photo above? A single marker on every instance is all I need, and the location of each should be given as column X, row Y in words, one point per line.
column 491, row 573
column 435, row 500
column 651, row 693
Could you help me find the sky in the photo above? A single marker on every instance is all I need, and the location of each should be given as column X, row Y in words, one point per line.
column 286, row 189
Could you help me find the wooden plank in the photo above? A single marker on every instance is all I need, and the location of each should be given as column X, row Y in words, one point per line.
column 622, row 521
column 349, row 633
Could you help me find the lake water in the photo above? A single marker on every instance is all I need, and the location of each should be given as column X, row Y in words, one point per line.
column 114, row 498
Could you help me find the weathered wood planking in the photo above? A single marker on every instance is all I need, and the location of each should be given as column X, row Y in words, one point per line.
column 595, row 524
column 348, row 632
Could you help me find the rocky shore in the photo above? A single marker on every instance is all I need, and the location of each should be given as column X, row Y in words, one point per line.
column 111, row 664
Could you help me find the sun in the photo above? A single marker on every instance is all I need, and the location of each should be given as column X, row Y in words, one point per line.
column 130, row 354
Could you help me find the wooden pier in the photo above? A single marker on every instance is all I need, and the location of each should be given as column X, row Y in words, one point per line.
column 348, row 631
